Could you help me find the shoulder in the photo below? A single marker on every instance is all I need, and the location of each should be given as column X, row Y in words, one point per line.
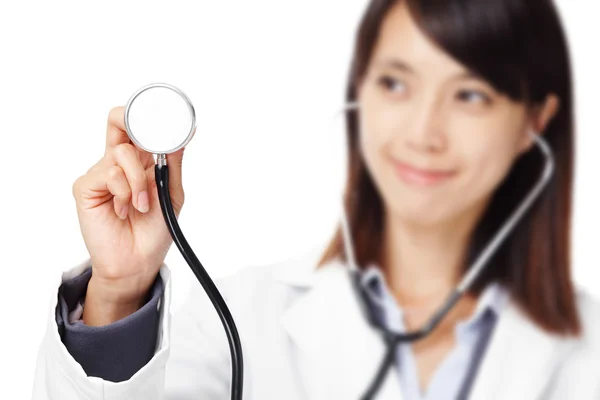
column 293, row 272
column 589, row 311
column 584, row 350
column 257, row 287
column 255, row 295
column 281, row 277
column 575, row 378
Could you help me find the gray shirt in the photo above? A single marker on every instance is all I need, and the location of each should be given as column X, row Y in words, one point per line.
column 117, row 351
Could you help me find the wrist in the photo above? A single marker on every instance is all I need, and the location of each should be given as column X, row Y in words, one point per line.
column 120, row 291
column 108, row 302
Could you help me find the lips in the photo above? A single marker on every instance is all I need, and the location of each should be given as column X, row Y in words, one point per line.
column 419, row 176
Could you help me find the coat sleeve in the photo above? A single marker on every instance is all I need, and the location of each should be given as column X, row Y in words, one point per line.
column 113, row 352
column 191, row 357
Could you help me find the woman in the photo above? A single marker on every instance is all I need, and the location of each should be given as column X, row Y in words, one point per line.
column 440, row 154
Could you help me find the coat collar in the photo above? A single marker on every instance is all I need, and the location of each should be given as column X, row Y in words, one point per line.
column 340, row 353
column 493, row 298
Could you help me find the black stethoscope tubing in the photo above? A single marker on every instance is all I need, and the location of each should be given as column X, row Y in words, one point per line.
column 237, row 363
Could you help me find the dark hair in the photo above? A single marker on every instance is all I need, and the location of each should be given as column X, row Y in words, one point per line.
column 519, row 47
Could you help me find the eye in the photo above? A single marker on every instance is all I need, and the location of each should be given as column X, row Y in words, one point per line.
column 473, row 96
column 391, row 84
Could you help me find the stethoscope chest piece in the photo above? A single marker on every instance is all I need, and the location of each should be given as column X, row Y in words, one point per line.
column 160, row 118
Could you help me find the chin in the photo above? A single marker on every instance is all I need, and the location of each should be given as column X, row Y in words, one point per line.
column 421, row 214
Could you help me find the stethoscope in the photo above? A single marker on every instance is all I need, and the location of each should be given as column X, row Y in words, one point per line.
column 160, row 119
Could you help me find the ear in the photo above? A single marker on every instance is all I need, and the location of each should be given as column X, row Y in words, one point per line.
column 539, row 119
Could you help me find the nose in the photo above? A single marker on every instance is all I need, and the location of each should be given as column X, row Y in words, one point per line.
column 423, row 131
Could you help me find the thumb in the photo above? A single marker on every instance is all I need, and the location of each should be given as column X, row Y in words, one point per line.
column 174, row 162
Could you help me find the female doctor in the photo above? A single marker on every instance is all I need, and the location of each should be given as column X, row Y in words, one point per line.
column 440, row 156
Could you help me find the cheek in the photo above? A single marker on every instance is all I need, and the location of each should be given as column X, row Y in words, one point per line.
column 485, row 165
column 374, row 136
column 371, row 147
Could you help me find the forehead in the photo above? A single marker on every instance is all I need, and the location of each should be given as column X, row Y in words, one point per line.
column 401, row 38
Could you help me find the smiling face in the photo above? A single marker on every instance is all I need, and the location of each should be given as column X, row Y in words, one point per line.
column 436, row 139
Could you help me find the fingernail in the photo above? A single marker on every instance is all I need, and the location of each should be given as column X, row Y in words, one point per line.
column 123, row 212
column 143, row 203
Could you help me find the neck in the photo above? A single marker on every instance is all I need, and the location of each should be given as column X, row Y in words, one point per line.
column 423, row 264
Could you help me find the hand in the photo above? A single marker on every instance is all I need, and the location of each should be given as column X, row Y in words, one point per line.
column 121, row 220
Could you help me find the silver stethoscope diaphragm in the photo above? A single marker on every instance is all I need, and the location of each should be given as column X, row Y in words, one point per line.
column 160, row 118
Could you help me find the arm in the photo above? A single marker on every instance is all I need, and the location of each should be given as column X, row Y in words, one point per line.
column 190, row 360
column 73, row 358
column 113, row 352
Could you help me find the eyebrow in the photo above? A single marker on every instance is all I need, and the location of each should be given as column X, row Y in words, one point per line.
column 405, row 67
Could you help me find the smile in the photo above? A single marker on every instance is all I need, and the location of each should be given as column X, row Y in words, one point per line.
column 420, row 177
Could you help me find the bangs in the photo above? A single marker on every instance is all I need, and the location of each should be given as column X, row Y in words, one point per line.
column 485, row 36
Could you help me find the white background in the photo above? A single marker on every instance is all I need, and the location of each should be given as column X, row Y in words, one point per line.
column 264, row 77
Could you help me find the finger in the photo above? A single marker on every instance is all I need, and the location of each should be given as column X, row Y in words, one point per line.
column 92, row 185
column 174, row 161
column 117, row 184
column 116, row 133
column 146, row 158
column 126, row 157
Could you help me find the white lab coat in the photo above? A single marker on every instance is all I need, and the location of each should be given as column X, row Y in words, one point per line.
column 304, row 337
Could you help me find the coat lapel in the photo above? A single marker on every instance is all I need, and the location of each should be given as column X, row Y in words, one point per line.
column 520, row 360
column 338, row 353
